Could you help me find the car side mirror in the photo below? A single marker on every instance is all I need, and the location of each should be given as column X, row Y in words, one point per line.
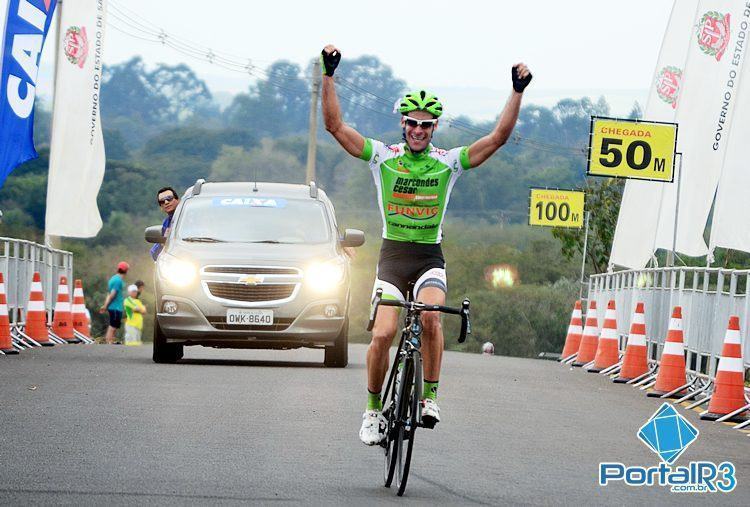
column 352, row 238
column 153, row 234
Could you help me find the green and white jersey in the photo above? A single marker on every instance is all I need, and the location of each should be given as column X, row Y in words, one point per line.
column 413, row 190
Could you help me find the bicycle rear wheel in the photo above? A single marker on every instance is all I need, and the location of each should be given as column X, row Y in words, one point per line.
column 393, row 418
column 407, row 426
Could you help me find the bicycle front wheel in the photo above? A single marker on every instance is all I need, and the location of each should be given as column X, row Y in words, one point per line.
column 407, row 423
column 392, row 414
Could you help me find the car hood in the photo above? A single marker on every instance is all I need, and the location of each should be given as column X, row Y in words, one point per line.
column 204, row 254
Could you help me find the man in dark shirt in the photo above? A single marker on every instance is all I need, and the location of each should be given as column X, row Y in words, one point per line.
column 168, row 201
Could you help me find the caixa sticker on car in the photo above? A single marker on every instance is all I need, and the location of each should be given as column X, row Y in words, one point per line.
column 254, row 202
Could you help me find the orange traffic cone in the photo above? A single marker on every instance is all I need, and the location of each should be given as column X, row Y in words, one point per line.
column 80, row 319
column 635, row 362
column 575, row 331
column 608, row 349
column 590, row 338
column 36, row 315
column 729, row 385
column 62, row 319
column 671, row 373
column 6, row 343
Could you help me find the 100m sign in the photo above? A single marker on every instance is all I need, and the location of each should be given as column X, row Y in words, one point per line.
column 556, row 208
column 632, row 149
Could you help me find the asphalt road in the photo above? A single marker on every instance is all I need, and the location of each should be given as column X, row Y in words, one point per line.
column 103, row 424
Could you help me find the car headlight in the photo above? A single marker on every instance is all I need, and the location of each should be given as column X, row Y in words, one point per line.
column 176, row 271
column 324, row 276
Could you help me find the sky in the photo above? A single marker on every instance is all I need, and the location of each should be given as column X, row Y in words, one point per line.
column 463, row 50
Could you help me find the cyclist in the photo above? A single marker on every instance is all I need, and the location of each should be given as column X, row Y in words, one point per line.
column 414, row 181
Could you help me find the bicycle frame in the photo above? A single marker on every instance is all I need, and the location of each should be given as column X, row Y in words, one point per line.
column 410, row 344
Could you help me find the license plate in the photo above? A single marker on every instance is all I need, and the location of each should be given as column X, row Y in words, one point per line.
column 250, row 317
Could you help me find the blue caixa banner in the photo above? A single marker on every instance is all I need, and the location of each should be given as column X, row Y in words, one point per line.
column 23, row 25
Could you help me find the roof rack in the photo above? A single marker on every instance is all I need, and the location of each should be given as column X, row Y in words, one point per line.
column 197, row 186
column 313, row 190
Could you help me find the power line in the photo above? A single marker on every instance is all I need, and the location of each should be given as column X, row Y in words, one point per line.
column 129, row 21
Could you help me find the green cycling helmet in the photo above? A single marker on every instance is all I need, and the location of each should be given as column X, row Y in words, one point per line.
column 421, row 101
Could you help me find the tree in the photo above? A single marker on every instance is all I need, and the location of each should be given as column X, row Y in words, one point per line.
column 367, row 90
column 184, row 154
column 603, row 203
column 276, row 105
column 139, row 102
column 636, row 113
column 127, row 92
column 263, row 163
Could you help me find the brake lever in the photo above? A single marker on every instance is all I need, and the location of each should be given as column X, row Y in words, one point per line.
column 374, row 309
column 465, row 321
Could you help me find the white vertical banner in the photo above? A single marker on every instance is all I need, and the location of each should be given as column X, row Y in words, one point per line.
column 77, row 159
column 710, row 45
column 705, row 118
column 729, row 227
column 638, row 221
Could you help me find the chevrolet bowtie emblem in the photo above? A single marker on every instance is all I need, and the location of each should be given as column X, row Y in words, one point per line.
column 251, row 280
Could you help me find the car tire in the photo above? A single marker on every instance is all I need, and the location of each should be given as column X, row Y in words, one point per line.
column 337, row 356
column 165, row 352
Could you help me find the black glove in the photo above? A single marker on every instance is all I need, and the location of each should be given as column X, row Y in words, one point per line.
column 519, row 84
column 329, row 61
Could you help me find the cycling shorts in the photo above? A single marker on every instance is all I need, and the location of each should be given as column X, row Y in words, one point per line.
column 403, row 263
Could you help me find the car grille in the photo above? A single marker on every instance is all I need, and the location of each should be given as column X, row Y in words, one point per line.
column 250, row 270
column 278, row 325
column 250, row 293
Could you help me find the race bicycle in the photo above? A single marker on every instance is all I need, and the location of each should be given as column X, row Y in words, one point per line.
column 401, row 398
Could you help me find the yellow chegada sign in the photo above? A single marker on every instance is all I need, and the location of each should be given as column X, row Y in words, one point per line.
column 556, row 208
column 633, row 149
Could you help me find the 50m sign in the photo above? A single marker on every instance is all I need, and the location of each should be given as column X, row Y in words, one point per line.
column 556, row 208
column 632, row 149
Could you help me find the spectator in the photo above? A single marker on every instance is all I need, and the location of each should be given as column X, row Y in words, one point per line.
column 114, row 302
column 134, row 311
column 140, row 285
column 167, row 199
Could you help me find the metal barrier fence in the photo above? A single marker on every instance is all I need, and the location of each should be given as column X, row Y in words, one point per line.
column 708, row 296
column 19, row 259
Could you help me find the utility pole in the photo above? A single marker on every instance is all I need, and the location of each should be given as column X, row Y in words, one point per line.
column 313, row 123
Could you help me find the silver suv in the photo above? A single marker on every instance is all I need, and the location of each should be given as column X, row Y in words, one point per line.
column 253, row 265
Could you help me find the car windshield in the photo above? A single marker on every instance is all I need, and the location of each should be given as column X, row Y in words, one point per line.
column 246, row 219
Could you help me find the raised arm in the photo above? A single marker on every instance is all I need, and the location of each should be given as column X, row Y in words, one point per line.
column 349, row 139
column 483, row 148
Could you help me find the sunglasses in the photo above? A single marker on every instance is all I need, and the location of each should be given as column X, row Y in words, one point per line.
column 425, row 124
column 166, row 200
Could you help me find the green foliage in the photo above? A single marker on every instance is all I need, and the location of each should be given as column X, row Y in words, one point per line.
column 367, row 111
column 140, row 102
column 603, row 202
column 264, row 163
column 181, row 156
column 276, row 105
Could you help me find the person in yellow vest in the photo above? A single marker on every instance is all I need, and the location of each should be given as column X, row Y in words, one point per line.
column 134, row 311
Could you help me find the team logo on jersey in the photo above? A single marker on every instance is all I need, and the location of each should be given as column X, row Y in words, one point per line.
column 668, row 84
column 413, row 212
column 713, row 33
column 401, row 168
column 76, row 45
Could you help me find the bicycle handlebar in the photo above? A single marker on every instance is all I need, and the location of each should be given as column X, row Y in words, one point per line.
column 422, row 307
